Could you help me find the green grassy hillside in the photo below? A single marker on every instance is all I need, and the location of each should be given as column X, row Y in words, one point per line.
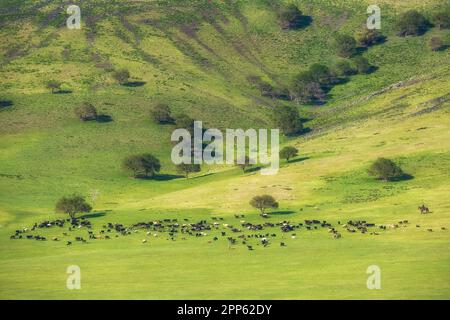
column 196, row 56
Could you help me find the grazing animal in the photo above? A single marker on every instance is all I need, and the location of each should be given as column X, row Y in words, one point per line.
column 69, row 243
column 424, row 209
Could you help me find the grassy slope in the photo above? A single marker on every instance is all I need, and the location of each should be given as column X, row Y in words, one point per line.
column 46, row 153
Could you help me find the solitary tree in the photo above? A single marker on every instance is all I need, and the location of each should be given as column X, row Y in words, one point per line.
column 72, row 205
column 385, row 169
column 410, row 23
column 345, row 45
column 187, row 168
column 145, row 164
column 53, row 85
column 288, row 153
column 263, row 202
column 86, row 112
column 287, row 119
column 121, row 76
column 161, row 114
column 291, row 17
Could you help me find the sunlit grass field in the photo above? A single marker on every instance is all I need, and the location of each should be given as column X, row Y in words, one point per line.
column 46, row 153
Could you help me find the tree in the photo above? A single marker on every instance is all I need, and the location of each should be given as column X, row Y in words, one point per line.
column 264, row 202
column 288, row 153
column 436, row 44
column 368, row 37
column 386, row 170
column 321, row 74
column 121, row 76
column 343, row 68
column 86, row 112
column 53, row 85
column 441, row 19
column 291, row 17
column 161, row 114
column 145, row 164
column 345, row 45
column 287, row 119
column 72, row 205
column 311, row 92
column 187, row 168
column 185, row 122
column 411, row 22
column 362, row 65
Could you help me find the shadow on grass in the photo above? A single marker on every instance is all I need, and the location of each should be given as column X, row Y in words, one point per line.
column 93, row 215
column 165, row 177
column 404, row 177
column 104, row 118
column 62, row 92
column 299, row 159
column 5, row 104
column 281, row 212
column 134, row 84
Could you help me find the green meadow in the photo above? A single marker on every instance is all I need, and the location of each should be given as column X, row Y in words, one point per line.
column 196, row 56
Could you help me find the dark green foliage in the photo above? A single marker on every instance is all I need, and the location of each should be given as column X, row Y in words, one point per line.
column 86, row 112
column 441, row 19
column 321, row 74
column 263, row 202
column 187, row 168
column 287, row 119
column 121, row 76
column 367, row 37
column 343, row 68
column 362, row 65
column 267, row 90
column 72, row 205
column 311, row 92
column 144, row 164
column 411, row 23
column 436, row 44
column 386, row 170
column 183, row 121
column 288, row 153
column 345, row 45
column 161, row 114
column 291, row 17
column 308, row 85
column 53, row 85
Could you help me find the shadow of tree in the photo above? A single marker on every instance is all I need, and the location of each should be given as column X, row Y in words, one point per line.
column 93, row 215
column 134, row 84
column 5, row 104
column 104, row 118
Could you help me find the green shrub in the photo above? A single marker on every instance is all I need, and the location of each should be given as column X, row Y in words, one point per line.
column 410, row 23
column 345, row 45
column 386, row 170
column 287, row 119
column 86, row 112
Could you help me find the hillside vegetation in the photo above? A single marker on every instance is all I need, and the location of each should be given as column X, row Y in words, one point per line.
column 199, row 57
